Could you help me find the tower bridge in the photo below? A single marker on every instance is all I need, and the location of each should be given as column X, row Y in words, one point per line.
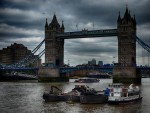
column 124, row 71
column 126, row 33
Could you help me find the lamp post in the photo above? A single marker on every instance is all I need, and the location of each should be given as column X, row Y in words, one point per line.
column 68, row 62
column 113, row 60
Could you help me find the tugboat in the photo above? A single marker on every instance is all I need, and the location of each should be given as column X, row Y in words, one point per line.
column 87, row 80
column 57, row 95
column 120, row 94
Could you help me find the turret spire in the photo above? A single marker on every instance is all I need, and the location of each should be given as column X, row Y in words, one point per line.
column 129, row 16
column 127, row 19
column 119, row 18
column 62, row 27
column 126, row 13
column 134, row 20
column 46, row 24
column 54, row 23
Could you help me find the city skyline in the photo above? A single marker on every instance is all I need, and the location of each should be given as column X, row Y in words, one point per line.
column 23, row 22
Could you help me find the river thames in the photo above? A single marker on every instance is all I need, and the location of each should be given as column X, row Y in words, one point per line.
column 26, row 97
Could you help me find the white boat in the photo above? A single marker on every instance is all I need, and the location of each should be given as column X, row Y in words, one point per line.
column 87, row 80
column 120, row 94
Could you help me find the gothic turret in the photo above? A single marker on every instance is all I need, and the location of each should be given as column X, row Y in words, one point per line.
column 119, row 18
column 62, row 27
column 126, row 19
column 54, row 25
column 134, row 20
column 126, row 14
column 46, row 24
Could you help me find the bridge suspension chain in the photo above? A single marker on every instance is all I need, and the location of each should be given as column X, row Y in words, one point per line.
column 30, row 56
column 35, row 49
column 145, row 48
column 23, row 62
column 144, row 45
column 32, row 60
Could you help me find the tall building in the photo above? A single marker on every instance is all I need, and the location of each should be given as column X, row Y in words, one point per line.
column 54, row 48
column 14, row 53
column 126, row 39
column 100, row 63
column 126, row 70
column 92, row 62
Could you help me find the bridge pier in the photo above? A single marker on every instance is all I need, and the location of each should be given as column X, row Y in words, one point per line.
column 49, row 74
column 126, row 75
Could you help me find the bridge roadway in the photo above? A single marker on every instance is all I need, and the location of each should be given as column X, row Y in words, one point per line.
column 69, row 69
column 15, row 69
column 86, row 34
column 106, row 69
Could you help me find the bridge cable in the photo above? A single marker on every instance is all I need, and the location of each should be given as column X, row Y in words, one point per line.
column 35, row 49
column 35, row 58
column 148, row 58
column 137, row 53
column 144, row 45
column 143, row 61
column 26, row 58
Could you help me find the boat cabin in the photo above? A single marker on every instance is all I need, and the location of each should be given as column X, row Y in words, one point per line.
column 118, row 90
column 116, row 85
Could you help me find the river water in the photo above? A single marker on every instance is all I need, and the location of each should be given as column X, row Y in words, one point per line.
column 26, row 97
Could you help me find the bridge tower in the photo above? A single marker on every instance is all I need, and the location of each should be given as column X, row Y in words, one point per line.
column 126, row 70
column 54, row 47
column 54, row 53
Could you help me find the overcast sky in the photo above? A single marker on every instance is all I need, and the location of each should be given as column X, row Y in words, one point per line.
column 22, row 21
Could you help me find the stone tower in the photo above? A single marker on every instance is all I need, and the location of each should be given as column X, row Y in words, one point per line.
column 126, row 71
column 126, row 39
column 54, row 47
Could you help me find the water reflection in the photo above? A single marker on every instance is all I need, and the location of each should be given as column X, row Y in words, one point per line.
column 27, row 98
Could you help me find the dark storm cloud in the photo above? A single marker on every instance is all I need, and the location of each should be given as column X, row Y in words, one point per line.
column 22, row 4
column 142, row 12
column 105, row 11
column 22, row 18
column 12, row 32
column 88, row 47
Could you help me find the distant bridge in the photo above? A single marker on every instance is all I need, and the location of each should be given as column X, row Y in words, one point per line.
column 70, row 69
column 105, row 69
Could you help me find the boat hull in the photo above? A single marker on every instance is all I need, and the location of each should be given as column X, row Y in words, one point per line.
column 93, row 99
column 125, row 101
column 53, row 98
column 74, row 98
